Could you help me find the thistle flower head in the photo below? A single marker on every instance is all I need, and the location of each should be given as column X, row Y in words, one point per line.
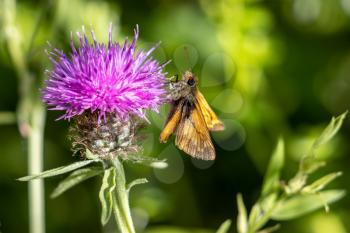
column 105, row 88
column 104, row 78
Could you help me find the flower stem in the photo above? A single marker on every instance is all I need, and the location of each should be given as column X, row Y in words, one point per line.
column 30, row 114
column 35, row 166
column 118, row 216
column 121, row 201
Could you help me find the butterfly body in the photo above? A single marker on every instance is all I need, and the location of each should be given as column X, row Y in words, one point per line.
column 181, row 89
column 191, row 118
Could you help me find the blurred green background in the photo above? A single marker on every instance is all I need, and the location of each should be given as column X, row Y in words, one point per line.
column 267, row 67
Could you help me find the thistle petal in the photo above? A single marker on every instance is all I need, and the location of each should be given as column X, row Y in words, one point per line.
column 104, row 79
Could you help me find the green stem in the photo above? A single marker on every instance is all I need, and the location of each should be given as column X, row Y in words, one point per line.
column 35, row 166
column 30, row 115
column 121, row 201
column 118, row 216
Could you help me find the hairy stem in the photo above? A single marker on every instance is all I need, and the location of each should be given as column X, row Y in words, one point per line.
column 121, row 201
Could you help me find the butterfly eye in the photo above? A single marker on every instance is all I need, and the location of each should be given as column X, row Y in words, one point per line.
column 190, row 82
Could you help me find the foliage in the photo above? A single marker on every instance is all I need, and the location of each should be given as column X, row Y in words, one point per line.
column 287, row 201
column 114, row 192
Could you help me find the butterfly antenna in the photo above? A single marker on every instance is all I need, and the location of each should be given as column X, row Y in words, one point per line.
column 187, row 56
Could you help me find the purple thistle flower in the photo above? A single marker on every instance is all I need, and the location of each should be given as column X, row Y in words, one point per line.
column 104, row 79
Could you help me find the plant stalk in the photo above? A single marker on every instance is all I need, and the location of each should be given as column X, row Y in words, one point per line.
column 35, row 166
column 30, row 114
column 118, row 217
column 121, row 206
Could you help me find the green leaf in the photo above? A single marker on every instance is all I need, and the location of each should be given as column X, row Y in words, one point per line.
column 255, row 215
column 268, row 202
column 301, row 204
column 242, row 222
column 259, row 214
column 272, row 177
column 58, row 171
column 224, row 227
column 329, row 132
column 319, row 184
column 136, row 182
column 309, row 162
column 270, row 229
column 106, row 194
column 148, row 161
column 75, row 178
column 296, row 183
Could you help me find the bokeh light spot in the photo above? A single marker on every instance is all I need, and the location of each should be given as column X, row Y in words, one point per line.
column 140, row 218
column 306, row 11
column 228, row 101
column 232, row 138
column 175, row 170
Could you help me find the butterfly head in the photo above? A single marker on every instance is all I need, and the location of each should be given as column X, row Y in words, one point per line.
column 189, row 78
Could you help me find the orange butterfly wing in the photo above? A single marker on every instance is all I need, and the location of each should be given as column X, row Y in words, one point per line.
column 192, row 135
column 212, row 121
column 173, row 120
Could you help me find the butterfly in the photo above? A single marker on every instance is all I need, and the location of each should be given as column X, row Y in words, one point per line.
column 191, row 119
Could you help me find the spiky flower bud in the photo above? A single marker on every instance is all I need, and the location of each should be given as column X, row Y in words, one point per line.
column 108, row 138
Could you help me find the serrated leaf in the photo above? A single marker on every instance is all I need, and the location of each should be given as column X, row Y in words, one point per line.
column 224, row 226
column 272, row 177
column 302, row 204
column 242, row 222
column 75, row 178
column 329, row 132
column 106, row 194
column 58, row 171
column 136, row 182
